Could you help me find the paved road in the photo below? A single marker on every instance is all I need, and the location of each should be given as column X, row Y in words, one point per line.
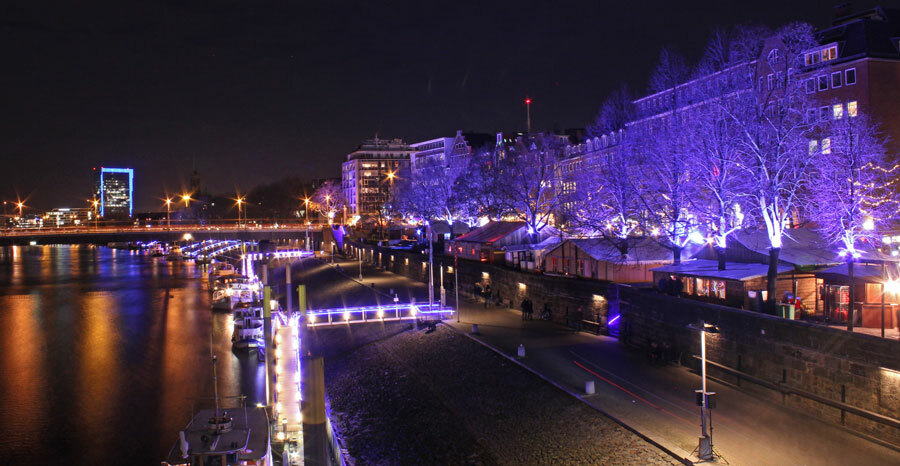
column 657, row 401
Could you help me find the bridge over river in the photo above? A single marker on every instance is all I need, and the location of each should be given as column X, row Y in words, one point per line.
column 105, row 235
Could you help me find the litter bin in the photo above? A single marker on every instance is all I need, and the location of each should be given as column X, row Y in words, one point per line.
column 786, row 311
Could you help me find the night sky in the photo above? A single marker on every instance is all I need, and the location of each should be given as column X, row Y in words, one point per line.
column 252, row 91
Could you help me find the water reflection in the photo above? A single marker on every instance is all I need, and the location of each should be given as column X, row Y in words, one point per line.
column 104, row 354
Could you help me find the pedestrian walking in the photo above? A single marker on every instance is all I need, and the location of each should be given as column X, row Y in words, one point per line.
column 524, row 307
column 487, row 295
column 530, row 310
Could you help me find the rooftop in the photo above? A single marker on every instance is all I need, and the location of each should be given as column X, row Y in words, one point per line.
column 710, row 269
column 491, row 232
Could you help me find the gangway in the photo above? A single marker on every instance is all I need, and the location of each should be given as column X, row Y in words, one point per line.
column 377, row 313
column 287, row 383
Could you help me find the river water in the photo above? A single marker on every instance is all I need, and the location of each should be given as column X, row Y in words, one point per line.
column 104, row 353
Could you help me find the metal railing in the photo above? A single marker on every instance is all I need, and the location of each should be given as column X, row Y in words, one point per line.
column 783, row 388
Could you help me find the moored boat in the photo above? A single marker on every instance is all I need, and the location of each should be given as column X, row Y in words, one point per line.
column 174, row 253
column 234, row 289
column 248, row 326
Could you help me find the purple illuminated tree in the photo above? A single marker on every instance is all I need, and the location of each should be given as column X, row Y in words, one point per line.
column 475, row 192
column 525, row 178
column 772, row 137
column 665, row 190
column 425, row 194
column 328, row 200
column 605, row 202
column 714, row 138
column 850, row 199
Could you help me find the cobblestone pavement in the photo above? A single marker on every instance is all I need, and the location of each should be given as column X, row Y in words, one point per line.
column 440, row 398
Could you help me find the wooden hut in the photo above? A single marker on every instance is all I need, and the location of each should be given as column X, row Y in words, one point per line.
column 740, row 285
column 876, row 291
column 485, row 243
column 599, row 259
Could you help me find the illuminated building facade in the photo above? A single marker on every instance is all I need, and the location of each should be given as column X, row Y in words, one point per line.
column 65, row 217
column 369, row 173
column 114, row 188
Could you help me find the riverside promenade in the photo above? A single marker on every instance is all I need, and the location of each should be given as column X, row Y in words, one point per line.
column 655, row 401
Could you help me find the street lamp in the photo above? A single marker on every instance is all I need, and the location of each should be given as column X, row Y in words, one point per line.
column 328, row 209
column 705, row 448
column 168, row 213
column 240, row 201
column 96, row 205
column 387, row 212
column 306, row 212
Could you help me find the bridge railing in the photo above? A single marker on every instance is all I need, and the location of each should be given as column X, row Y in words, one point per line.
column 14, row 232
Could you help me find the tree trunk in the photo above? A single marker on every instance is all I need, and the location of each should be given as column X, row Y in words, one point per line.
column 676, row 255
column 850, row 304
column 771, row 279
column 720, row 255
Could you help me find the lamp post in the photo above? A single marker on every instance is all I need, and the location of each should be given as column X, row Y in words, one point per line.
column 430, row 265
column 328, row 209
column 95, row 205
column 187, row 201
column 388, row 199
column 168, row 213
column 456, row 282
column 240, row 201
column 705, row 448
column 306, row 212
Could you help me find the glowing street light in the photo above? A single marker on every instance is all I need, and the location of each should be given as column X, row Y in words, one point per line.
column 187, row 199
column 240, row 202
column 306, row 211
column 96, row 204
column 168, row 210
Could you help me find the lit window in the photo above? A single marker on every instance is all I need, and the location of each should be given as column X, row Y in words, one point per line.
column 829, row 54
column 850, row 77
column 836, row 79
column 838, row 110
column 717, row 289
column 851, row 108
column 813, row 146
column 812, row 58
column 702, row 287
column 826, row 146
column 823, row 83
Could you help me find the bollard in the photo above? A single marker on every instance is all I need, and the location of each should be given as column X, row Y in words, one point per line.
column 288, row 294
column 589, row 387
column 521, row 350
column 475, row 329
column 315, row 437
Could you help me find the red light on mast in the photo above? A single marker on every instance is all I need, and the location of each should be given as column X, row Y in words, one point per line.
column 528, row 101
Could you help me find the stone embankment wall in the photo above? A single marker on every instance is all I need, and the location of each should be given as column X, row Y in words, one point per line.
column 861, row 370
column 570, row 300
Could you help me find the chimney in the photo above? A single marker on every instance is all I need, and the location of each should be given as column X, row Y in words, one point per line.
column 842, row 10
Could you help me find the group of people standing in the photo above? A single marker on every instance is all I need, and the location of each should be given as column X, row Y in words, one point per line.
column 527, row 309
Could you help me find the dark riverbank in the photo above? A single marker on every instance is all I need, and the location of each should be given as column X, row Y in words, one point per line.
column 440, row 398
